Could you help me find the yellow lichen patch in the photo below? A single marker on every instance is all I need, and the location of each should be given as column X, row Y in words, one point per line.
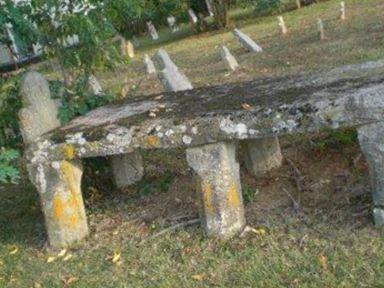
column 153, row 141
column 58, row 207
column 233, row 199
column 69, row 151
column 208, row 198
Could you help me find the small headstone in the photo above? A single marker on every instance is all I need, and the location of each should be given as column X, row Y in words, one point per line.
column 152, row 31
column 127, row 48
column 282, row 25
column 39, row 114
column 298, row 4
column 135, row 41
column 149, row 66
column 320, row 26
column 172, row 24
column 342, row 10
column 94, row 85
column 228, row 58
column 246, row 41
column 170, row 76
column 192, row 16
column 209, row 7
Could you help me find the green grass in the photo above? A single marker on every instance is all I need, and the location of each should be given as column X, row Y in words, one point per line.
column 330, row 242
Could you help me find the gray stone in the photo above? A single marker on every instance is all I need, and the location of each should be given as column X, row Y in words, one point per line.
column 149, row 66
column 229, row 60
column 39, row 114
column 209, row 7
column 262, row 155
column 152, row 31
column 59, row 187
column 127, row 48
column 320, row 26
column 127, row 169
column 94, row 85
column 342, row 10
column 246, row 41
column 372, row 145
column 170, row 76
column 222, row 210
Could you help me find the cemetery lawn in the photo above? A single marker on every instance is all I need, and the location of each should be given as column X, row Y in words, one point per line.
column 326, row 240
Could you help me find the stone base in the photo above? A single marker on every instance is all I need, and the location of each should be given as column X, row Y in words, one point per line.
column 222, row 210
column 262, row 155
column 372, row 145
column 59, row 186
column 127, row 169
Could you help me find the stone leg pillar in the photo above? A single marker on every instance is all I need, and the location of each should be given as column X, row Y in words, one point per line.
column 222, row 210
column 127, row 169
column 59, row 187
column 371, row 138
column 262, row 155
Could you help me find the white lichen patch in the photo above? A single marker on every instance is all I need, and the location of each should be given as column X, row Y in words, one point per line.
column 230, row 128
column 288, row 126
column 41, row 181
column 75, row 139
column 187, row 140
column 194, row 130
column 169, row 132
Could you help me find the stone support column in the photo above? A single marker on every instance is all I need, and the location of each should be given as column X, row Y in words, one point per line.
column 127, row 169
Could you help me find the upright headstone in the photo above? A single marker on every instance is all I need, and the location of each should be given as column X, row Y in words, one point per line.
column 229, row 60
column 298, row 4
column 209, row 7
column 127, row 48
column 320, row 26
column 246, row 41
column 40, row 113
column 94, row 85
column 342, row 10
column 192, row 17
column 172, row 24
column 282, row 25
column 152, row 31
column 170, row 76
column 149, row 66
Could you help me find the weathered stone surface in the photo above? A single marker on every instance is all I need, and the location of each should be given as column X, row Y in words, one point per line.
column 262, row 155
column 286, row 105
column 58, row 184
column 40, row 113
column 152, row 31
column 170, row 76
column 246, row 41
column 342, row 10
column 372, row 144
column 229, row 60
column 94, row 85
column 149, row 66
column 127, row 169
column 222, row 210
column 209, row 7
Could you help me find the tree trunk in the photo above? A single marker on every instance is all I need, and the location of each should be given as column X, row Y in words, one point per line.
column 220, row 10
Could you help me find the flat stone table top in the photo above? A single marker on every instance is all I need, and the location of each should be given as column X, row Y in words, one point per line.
column 344, row 97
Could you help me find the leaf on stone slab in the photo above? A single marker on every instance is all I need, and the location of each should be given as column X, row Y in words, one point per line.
column 246, row 106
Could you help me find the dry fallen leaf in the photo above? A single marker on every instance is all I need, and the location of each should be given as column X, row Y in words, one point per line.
column 261, row 231
column 62, row 253
column 71, row 280
column 14, row 251
column 323, row 262
column 198, row 277
column 152, row 114
column 116, row 257
column 68, row 257
column 51, row 259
